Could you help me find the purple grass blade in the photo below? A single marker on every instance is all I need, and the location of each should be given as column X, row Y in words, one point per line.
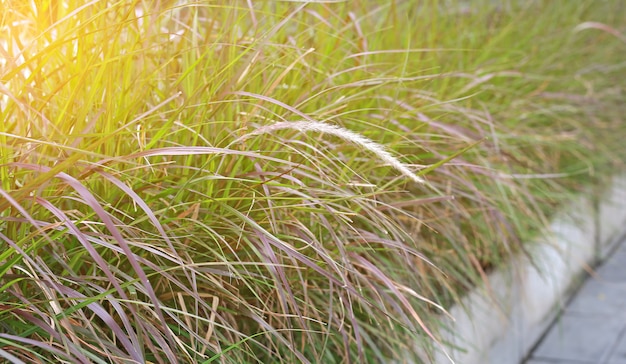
column 389, row 284
column 275, row 102
column 144, row 206
column 94, row 254
column 47, row 347
column 132, row 350
column 78, row 356
column 10, row 357
column 106, row 219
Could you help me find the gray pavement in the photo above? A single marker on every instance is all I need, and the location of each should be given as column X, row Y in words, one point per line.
column 592, row 328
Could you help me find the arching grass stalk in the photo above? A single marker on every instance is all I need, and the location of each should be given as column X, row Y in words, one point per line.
column 343, row 133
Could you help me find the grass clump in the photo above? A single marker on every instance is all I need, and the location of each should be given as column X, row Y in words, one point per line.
column 283, row 181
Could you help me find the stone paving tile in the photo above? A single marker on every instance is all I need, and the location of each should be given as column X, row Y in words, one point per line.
column 598, row 297
column 605, row 292
column 557, row 361
column 592, row 329
column 619, row 352
column 580, row 337
column 614, row 269
column 616, row 361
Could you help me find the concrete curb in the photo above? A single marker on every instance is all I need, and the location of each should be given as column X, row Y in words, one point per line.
column 500, row 324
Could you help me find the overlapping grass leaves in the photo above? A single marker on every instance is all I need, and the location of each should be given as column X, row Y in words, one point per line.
column 241, row 182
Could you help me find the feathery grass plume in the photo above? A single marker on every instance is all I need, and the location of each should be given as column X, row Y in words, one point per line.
column 343, row 133
column 137, row 102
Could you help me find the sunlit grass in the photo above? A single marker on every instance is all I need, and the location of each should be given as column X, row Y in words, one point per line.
column 284, row 181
